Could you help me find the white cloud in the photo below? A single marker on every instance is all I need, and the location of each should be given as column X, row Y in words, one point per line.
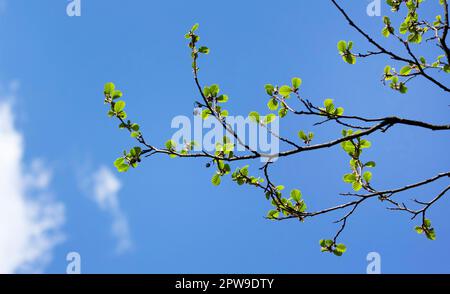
column 105, row 189
column 30, row 220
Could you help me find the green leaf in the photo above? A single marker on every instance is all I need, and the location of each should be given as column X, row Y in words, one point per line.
column 328, row 102
column 431, row 234
column 204, row 50
column 135, row 134
column 195, row 27
column 117, row 94
column 403, row 89
column 367, row 176
column 357, row 186
column 296, row 195
column 386, row 32
column 282, row 112
column 285, row 91
column 337, row 252
column 269, row 89
column 135, row 127
column 427, row 223
column 364, row 144
column 339, row 111
column 371, row 164
column 296, row 83
column 170, row 145
column 109, row 88
column 254, row 117
column 342, row 46
column 322, row 243
column 279, row 188
column 349, row 178
column 123, row 168
column 406, row 70
column 119, row 106
column 446, row 68
column 136, row 151
column 119, row 162
column 214, row 90
column 205, row 114
column 273, row 104
column 419, row 230
column 341, row 248
column 269, row 118
column 216, row 179
column 348, row 147
column 273, row 214
column 350, row 45
column 349, row 58
column 222, row 98
column 302, row 136
column 121, row 165
column 122, row 115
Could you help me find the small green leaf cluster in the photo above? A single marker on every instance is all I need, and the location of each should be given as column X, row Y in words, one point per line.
column 411, row 23
column 359, row 177
column 278, row 95
column 344, row 49
column 222, row 170
column 266, row 120
column 194, row 39
column 241, row 176
column 213, row 98
column 427, row 229
column 171, row 147
column 438, row 64
column 388, row 29
column 133, row 157
column 223, row 150
column 415, row 29
column 117, row 110
column 331, row 110
column 332, row 247
column 134, row 128
column 117, row 107
column 286, row 206
column 395, row 4
column 391, row 75
column 129, row 159
column 306, row 138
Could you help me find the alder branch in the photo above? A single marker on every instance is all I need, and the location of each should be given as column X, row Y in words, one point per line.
column 353, row 142
column 413, row 60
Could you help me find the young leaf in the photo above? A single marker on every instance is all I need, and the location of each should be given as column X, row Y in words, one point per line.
column 269, row 118
column 109, row 88
column 285, row 91
column 296, row 83
column 254, row 117
column 342, row 46
column 296, row 195
column 367, row 176
column 216, row 179
column 119, row 106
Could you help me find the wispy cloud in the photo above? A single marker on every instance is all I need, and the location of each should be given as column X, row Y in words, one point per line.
column 30, row 220
column 104, row 190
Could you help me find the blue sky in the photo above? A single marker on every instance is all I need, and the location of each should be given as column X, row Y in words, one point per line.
column 54, row 67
